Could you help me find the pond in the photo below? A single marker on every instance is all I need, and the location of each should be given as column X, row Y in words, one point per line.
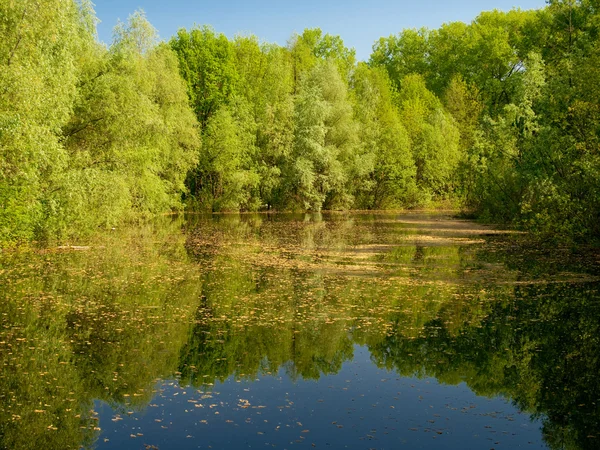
column 357, row 331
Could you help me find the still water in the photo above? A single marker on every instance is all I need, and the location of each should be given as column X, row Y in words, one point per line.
column 360, row 331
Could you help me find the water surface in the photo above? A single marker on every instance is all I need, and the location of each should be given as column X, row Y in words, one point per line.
column 300, row 331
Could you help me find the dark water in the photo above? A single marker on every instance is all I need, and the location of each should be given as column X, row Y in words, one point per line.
column 312, row 331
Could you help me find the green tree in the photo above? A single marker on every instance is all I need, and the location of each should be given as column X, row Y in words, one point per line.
column 385, row 145
column 224, row 179
column 207, row 64
column 38, row 75
column 132, row 137
column 403, row 54
column 325, row 140
column 461, row 100
column 266, row 81
column 434, row 138
column 312, row 46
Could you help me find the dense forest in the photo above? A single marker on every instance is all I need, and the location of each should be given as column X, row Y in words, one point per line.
column 499, row 117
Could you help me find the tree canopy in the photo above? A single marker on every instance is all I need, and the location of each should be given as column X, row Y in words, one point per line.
column 500, row 117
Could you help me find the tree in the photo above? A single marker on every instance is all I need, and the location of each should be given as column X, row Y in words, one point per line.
column 266, row 81
column 132, row 137
column 312, row 46
column 461, row 100
column 38, row 76
column 207, row 64
column 223, row 179
column 325, row 139
column 403, row 54
column 385, row 152
column 434, row 138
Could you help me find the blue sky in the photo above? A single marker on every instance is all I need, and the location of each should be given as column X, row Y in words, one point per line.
column 359, row 22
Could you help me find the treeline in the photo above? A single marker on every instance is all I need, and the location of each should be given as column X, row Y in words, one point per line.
column 89, row 136
column 522, row 88
column 306, row 127
column 500, row 117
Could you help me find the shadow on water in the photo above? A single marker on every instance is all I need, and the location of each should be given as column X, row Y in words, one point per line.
column 208, row 301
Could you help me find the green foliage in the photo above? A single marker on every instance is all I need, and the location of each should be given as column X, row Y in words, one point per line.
column 385, row 145
column 266, row 81
column 522, row 88
column 223, row 179
column 208, row 66
column 90, row 136
column 434, row 138
column 317, row 171
column 403, row 54
column 132, row 138
column 489, row 53
column 312, row 46
column 500, row 116
column 461, row 100
column 37, row 85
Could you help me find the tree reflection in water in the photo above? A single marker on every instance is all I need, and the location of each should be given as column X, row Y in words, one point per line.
column 247, row 296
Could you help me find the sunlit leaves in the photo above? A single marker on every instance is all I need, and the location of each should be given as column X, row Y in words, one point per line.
column 385, row 153
column 433, row 134
column 37, row 81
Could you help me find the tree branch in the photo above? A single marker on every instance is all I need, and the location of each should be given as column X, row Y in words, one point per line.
column 87, row 125
column 19, row 38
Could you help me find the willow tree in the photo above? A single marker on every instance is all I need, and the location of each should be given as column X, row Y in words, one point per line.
column 318, row 171
column 132, row 137
column 38, row 76
column 225, row 176
column 265, row 83
column 207, row 65
column 312, row 46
